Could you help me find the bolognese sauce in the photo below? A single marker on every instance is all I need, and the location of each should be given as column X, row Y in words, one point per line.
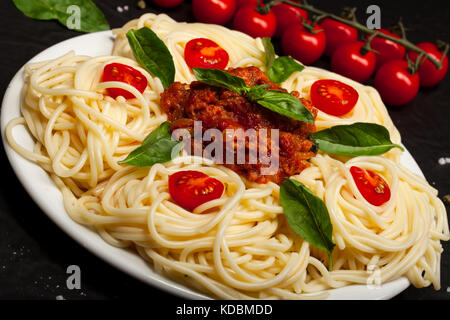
column 224, row 109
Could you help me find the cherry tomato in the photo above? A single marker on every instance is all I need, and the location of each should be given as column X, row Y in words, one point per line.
column 241, row 3
column 429, row 74
column 253, row 23
column 303, row 45
column 372, row 187
column 168, row 3
column 337, row 33
column 395, row 83
column 387, row 50
column 287, row 15
column 205, row 53
column 349, row 61
column 190, row 188
column 123, row 73
column 213, row 11
column 333, row 97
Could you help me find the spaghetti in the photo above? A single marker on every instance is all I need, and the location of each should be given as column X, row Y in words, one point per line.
column 241, row 246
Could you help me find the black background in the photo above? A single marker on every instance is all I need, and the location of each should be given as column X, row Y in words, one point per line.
column 35, row 253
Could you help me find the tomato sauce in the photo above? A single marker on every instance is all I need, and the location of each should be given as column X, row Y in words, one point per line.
column 225, row 109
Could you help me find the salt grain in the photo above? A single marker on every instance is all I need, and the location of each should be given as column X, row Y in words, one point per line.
column 443, row 161
column 119, row 9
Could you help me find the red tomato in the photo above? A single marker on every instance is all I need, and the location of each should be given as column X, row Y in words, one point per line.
column 168, row 3
column 213, row 11
column 429, row 74
column 348, row 61
column 333, row 97
column 123, row 73
column 205, row 53
column 395, row 83
column 337, row 33
column 287, row 15
column 253, row 23
column 387, row 49
column 372, row 187
column 303, row 45
column 241, row 3
column 190, row 188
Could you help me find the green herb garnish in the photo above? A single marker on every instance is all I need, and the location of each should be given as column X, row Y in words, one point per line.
column 157, row 147
column 79, row 15
column 280, row 102
column 279, row 69
column 355, row 139
column 307, row 215
column 151, row 53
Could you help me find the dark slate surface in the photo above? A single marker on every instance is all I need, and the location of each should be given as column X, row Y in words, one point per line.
column 35, row 253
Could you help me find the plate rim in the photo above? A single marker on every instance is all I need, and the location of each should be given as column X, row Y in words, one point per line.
column 162, row 282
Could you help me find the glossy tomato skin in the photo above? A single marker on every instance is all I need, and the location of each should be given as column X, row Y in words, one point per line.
column 429, row 74
column 337, row 34
column 123, row 73
column 189, row 188
column 303, row 45
column 348, row 61
column 168, row 3
column 253, row 23
column 213, row 11
column 333, row 97
column 372, row 186
column 287, row 15
column 241, row 3
column 396, row 85
column 387, row 50
column 205, row 53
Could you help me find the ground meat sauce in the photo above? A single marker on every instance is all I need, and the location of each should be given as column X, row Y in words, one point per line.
column 225, row 109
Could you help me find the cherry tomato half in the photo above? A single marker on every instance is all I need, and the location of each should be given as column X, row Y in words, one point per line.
column 253, row 23
column 305, row 46
column 395, row 83
column 333, row 97
column 205, row 53
column 387, row 50
column 287, row 15
column 190, row 188
column 429, row 74
column 168, row 3
column 123, row 73
column 337, row 33
column 372, row 187
column 213, row 11
column 349, row 61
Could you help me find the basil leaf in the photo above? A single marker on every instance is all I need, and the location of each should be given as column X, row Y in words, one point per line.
column 151, row 52
column 279, row 69
column 157, row 147
column 277, row 101
column 89, row 16
column 355, row 140
column 282, row 69
column 219, row 78
column 307, row 215
column 269, row 51
column 282, row 103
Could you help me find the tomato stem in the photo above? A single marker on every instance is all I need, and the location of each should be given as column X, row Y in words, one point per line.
column 404, row 42
column 261, row 9
column 367, row 48
column 349, row 13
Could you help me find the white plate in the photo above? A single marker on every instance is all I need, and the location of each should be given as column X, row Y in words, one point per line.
column 48, row 197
